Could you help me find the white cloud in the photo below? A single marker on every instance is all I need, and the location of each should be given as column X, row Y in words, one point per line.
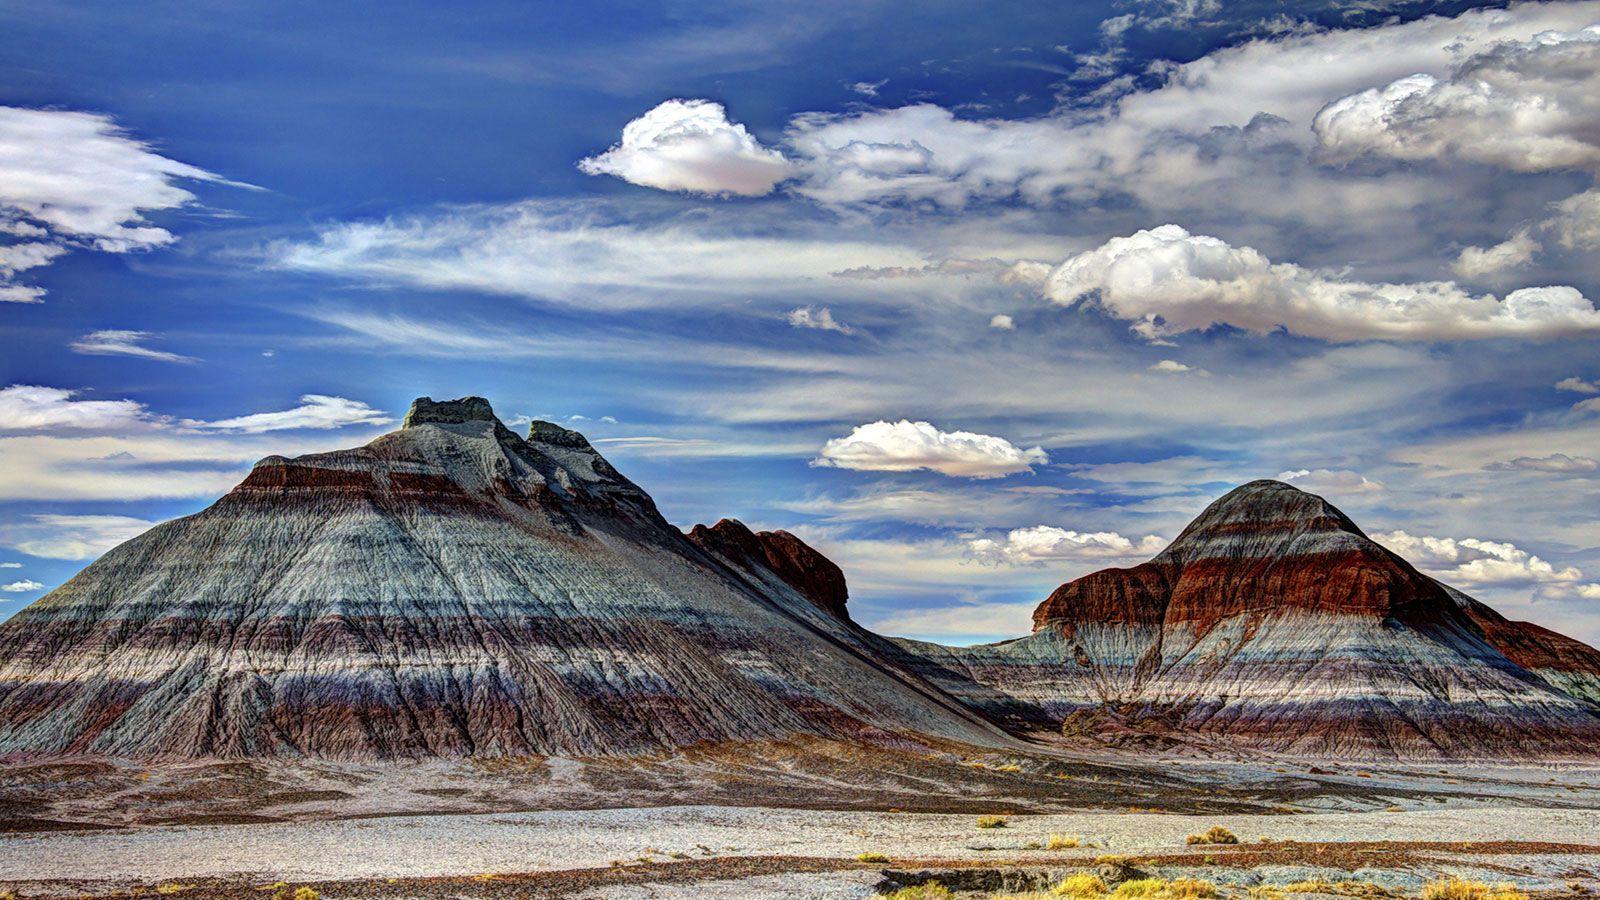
column 1331, row 481
column 1576, row 222
column 590, row 255
column 1513, row 253
column 18, row 587
column 1173, row 367
column 76, row 179
column 124, row 343
column 1472, row 562
column 1181, row 282
column 1002, row 322
column 819, row 318
column 33, row 408
column 906, row 446
column 689, row 145
column 1159, row 144
column 1528, row 106
column 316, row 411
column 1041, row 544
column 1578, row 385
column 10, row 565
column 1558, row 463
column 1590, row 405
column 868, row 88
column 71, row 537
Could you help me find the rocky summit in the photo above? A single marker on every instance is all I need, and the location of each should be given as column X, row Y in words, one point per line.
column 1273, row 622
column 453, row 589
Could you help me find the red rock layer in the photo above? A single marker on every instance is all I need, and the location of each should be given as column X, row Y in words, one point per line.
column 784, row 555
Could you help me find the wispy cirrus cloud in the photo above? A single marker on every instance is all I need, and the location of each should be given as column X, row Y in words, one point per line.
column 116, row 342
column 77, row 180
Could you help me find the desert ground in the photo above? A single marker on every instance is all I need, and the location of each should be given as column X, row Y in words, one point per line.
column 793, row 824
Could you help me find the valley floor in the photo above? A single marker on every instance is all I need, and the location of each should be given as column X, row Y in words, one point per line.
column 674, row 826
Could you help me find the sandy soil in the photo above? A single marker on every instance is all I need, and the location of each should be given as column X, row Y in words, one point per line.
column 509, row 845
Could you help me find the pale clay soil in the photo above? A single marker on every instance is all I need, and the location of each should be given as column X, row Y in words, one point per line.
column 734, row 851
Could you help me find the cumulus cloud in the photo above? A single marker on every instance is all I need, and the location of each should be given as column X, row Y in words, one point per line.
column 124, row 343
column 1578, row 385
column 689, row 145
column 1576, row 222
column 868, row 88
column 1331, row 481
column 71, row 537
column 78, row 180
column 906, row 446
column 1173, row 281
column 19, row 587
column 1041, row 544
column 1527, row 106
column 1473, row 562
column 1513, row 253
column 1173, row 367
column 1557, row 463
column 819, row 318
column 1002, row 322
column 316, row 411
column 25, row 407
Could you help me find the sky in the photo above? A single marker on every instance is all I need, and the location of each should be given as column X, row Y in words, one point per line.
column 974, row 300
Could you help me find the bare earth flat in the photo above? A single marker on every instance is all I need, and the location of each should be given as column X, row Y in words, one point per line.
column 1393, row 825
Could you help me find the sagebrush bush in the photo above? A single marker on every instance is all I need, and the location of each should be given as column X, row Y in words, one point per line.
column 1216, row 834
column 870, row 857
column 1061, row 842
column 991, row 821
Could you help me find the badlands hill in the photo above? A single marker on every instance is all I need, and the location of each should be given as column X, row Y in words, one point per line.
column 453, row 589
column 1273, row 622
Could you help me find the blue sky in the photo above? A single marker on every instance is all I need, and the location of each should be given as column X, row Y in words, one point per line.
column 975, row 301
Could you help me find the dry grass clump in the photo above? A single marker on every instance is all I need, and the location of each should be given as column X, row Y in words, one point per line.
column 284, row 891
column 1162, row 889
column 991, row 821
column 932, row 890
column 1363, row 889
column 1216, row 834
column 1083, row 884
column 870, row 857
column 1113, row 859
column 1454, row 888
column 172, row 887
column 1061, row 842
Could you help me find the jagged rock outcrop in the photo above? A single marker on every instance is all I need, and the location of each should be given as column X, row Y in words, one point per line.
column 1273, row 622
column 450, row 589
column 782, row 554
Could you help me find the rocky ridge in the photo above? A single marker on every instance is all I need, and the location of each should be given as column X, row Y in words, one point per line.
column 450, row 589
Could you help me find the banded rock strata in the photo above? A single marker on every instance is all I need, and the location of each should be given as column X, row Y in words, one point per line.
column 1273, row 622
column 450, row 589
